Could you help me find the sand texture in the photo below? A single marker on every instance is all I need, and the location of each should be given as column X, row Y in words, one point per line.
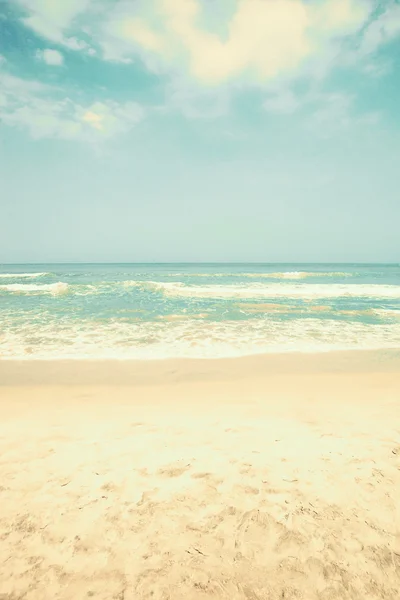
column 224, row 481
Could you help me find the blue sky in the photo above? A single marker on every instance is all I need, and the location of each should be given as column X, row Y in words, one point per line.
column 188, row 130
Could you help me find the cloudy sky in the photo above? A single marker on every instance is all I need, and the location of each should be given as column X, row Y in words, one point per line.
column 199, row 130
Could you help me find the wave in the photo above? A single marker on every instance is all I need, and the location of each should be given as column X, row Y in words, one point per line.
column 277, row 290
column 191, row 338
column 277, row 275
column 22, row 275
column 387, row 312
column 239, row 291
column 304, row 274
column 55, row 289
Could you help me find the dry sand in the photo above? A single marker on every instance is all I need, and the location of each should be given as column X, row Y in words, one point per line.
column 260, row 478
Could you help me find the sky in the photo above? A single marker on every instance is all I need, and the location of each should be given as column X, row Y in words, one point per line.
column 199, row 131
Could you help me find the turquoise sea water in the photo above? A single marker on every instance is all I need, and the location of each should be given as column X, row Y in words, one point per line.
column 204, row 310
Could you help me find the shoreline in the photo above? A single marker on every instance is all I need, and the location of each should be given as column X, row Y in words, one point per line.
column 142, row 372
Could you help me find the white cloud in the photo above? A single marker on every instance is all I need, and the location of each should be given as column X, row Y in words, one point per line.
column 264, row 38
column 50, row 57
column 335, row 110
column 343, row 16
column 256, row 41
column 336, row 113
column 261, row 40
column 14, row 86
column 115, row 51
column 52, row 19
column 136, row 29
column 382, row 30
column 325, row 113
column 35, row 107
column 74, row 44
column 110, row 118
column 268, row 43
column 377, row 68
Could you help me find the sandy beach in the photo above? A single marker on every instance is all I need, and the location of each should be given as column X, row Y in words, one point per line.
column 270, row 477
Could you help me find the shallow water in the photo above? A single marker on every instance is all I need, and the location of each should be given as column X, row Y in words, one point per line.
column 179, row 310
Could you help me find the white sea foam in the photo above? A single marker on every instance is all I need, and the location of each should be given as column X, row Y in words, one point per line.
column 21, row 275
column 55, row 289
column 277, row 275
column 305, row 274
column 192, row 338
column 387, row 312
column 273, row 290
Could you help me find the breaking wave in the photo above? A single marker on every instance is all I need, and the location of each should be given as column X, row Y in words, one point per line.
column 256, row 290
column 55, row 289
column 305, row 274
column 22, row 275
column 277, row 290
column 277, row 275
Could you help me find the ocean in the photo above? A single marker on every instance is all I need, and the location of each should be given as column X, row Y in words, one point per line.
column 153, row 311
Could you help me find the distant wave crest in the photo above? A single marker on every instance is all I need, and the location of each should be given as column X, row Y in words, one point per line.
column 22, row 275
column 242, row 290
column 277, row 275
column 55, row 289
column 275, row 290
column 305, row 274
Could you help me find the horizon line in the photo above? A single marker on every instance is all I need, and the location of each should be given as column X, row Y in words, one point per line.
column 199, row 263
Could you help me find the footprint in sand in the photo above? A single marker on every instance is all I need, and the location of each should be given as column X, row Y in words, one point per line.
column 202, row 475
column 258, row 533
column 173, row 471
column 225, row 519
column 109, row 487
column 25, row 524
column 208, row 478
